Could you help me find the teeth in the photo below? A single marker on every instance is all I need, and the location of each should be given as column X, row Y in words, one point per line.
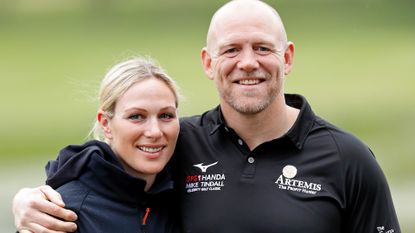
column 150, row 149
column 249, row 81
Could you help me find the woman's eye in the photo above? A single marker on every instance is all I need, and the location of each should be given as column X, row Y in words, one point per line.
column 135, row 117
column 167, row 116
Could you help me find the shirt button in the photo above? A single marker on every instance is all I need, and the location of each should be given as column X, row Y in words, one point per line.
column 240, row 142
column 251, row 160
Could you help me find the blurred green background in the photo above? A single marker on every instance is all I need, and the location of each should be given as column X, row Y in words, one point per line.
column 354, row 62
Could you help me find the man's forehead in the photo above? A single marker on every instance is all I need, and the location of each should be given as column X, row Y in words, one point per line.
column 247, row 9
column 244, row 12
column 241, row 37
column 243, row 31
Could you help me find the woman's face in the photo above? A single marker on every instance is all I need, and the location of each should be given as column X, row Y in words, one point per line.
column 144, row 129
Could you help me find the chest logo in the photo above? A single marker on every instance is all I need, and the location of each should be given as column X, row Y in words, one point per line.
column 204, row 181
column 287, row 182
column 204, row 168
column 289, row 171
column 381, row 229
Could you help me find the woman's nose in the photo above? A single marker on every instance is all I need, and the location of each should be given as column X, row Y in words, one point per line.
column 153, row 129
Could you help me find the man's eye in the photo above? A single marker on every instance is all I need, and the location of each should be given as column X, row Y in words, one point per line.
column 231, row 52
column 262, row 50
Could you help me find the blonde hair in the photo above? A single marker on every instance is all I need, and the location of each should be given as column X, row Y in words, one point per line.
column 120, row 78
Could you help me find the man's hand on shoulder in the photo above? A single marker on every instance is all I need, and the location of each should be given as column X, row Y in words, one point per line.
column 41, row 210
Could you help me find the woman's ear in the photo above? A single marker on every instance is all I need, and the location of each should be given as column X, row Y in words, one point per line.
column 104, row 123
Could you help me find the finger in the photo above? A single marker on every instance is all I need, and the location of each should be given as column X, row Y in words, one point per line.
column 36, row 228
column 55, row 210
column 54, row 207
column 52, row 195
column 25, row 231
column 46, row 223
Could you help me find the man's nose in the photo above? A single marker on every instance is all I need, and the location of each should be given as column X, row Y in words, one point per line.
column 248, row 60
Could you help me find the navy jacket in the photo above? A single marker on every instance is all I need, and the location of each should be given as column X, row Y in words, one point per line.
column 93, row 183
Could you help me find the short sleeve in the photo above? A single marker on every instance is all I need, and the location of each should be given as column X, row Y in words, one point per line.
column 369, row 205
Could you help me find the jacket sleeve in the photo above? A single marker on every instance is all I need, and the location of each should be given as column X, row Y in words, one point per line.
column 74, row 195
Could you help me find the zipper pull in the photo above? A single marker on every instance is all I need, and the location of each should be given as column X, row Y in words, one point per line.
column 144, row 221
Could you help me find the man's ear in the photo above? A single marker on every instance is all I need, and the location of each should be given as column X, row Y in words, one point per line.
column 104, row 124
column 207, row 63
column 289, row 57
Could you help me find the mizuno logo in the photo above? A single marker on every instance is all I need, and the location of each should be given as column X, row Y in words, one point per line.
column 203, row 168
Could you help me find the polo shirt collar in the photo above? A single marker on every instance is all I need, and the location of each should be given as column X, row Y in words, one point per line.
column 298, row 132
column 219, row 120
column 302, row 126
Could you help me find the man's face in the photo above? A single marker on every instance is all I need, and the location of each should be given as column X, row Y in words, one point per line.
column 247, row 62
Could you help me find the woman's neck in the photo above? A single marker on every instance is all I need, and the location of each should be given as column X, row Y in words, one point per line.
column 148, row 178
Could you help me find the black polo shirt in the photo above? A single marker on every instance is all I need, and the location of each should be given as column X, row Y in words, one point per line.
column 316, row 178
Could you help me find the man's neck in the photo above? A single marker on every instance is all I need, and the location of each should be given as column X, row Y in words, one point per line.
column 255, row 129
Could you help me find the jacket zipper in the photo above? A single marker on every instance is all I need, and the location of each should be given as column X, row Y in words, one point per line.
column 144, row 220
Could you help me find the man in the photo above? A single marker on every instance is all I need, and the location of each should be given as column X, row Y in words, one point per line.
column 261, row 161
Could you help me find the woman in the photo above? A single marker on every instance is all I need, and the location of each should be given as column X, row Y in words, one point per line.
column 120, row 182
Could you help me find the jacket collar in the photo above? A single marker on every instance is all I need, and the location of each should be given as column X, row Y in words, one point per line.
column 95, row 164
